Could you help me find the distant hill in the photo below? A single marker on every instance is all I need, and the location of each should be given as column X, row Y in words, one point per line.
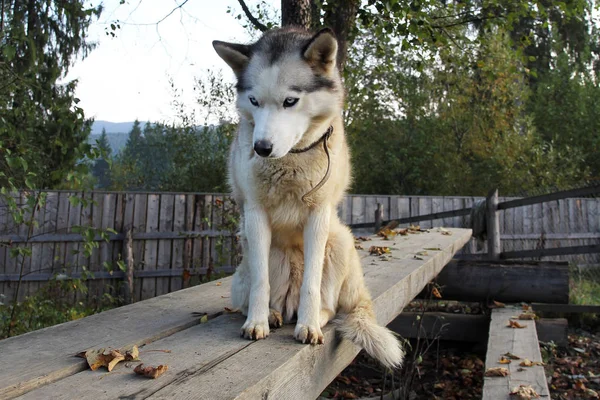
column 117, row 132
column 117, row 140
column 113, row 127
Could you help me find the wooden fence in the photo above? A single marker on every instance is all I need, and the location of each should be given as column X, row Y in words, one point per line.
column 178, row 238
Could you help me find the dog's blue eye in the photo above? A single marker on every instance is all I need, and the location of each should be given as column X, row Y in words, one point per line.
column 253, row 101
column 290, row 102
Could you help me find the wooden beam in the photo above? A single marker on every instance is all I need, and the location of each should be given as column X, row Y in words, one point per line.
column 417, row 218
column 565, row 194
column 468, row 327
column 441, row 325
column 204, row 358
column 48, row 355
column 76, row 237
column 520, row 342
column 566, row 308
column 156, row 273
column 508, row 281
column 559, row 251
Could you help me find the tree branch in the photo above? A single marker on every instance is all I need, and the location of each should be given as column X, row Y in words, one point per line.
column 257, row 24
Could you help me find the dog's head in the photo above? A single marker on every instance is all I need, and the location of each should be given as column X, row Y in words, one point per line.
column 288, row 85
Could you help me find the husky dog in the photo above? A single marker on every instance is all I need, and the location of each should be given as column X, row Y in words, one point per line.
column 289, row 167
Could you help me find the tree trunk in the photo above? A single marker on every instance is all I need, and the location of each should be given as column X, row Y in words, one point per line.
column 341, row 17
column 297, row 13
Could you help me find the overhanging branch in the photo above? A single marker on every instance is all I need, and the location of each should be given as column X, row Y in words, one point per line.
column 257, row 24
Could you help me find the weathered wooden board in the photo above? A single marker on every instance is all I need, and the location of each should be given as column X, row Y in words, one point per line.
column 47, row 355
column 509, row 281
column 204, row 358
column 520, row 342
column 441, row 325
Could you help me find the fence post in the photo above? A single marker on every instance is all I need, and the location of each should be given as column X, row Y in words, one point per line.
column 378, row 217
column 129, row 294
column 493, row 225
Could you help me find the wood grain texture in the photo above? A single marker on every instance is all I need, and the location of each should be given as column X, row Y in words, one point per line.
column 520, row 342
column 204, row 358
column 49, row 354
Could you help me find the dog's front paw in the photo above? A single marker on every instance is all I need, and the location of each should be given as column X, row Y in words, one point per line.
column 255, row 330
column 309, row 334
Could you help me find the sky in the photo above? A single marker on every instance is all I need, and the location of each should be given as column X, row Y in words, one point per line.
column 127, row 76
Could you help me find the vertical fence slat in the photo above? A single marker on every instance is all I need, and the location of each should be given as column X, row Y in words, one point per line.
column 164, row 246
column 151, row 248
column 139, row 246
column 179, row 245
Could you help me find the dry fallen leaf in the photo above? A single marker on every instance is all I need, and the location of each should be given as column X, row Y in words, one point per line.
column 378, row 250
column 504, row 360
column 436, row 293
column 387, row 234
column 150, row 372
column 132, row 354
column 515, row 324
column 497, row 371
column 218, row 283
column 528, row 363
column 362, row 238
column 403, row 232
column 358, row 246
column 103, row 358
column 433, row 248
column 524, row 392
column 499, row 304
column 527, row 316
column 511, row 356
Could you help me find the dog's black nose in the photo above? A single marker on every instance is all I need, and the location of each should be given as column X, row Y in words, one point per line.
column 263, row 148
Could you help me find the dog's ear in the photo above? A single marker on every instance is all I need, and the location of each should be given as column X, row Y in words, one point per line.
column 235, row 55
column 321, row 51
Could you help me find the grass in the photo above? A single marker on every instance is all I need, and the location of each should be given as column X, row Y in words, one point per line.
column 585, row 287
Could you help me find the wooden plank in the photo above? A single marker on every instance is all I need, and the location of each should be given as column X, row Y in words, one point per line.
column 425, row 208
column 151, row 248
column 521, row 342
column 96, row 287
column 508, row 281
column 139, row 225
column 207, row 244
column 198, row 244
column 62, row 225
column 358, row 210
column 100, row 275
column 448, row 205
column 566, row 308
column 580, row 192
column 167, row 204
column 440, row 325
column 179, row 246
column 403, row 206
column 203, row 358
column 50, row 352
column 560, row 251
column 72, row 249
column 437, row 205
column 370, row 207
column 553, row 330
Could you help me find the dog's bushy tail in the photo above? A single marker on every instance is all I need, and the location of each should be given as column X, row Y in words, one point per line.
column 361, row 327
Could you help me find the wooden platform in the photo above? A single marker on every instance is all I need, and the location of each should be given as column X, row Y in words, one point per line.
column 520, row 342
column 209, row 360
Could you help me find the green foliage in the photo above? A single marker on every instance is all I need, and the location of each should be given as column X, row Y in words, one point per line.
column 42, row 131
column 189, row 156
column 52, row 304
